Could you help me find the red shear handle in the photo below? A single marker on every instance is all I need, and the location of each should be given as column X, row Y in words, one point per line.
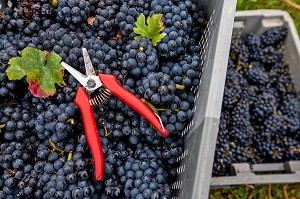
column 91, row 131
column 111, row 83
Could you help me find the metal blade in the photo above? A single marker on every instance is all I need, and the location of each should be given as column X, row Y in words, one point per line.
column 89, row 69
column 79, row 76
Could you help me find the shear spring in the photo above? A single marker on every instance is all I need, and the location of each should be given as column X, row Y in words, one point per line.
column 100, row 98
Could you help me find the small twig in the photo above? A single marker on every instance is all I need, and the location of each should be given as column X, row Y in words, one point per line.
column 151, row 106
column 54, row 148
column 252, row 189
column 2, row 126
column 161, row 109
column 292, row 4
column 239, row 65
column 12, row 172
column 70, row 155
column 250, row 186
column 91, row 160
column 285, row 193
column 295, row 150
column 71, row 121
column 180, row 87
column 8, row 103
column 251, row 195
column 107, row 133
column 124, row 79
column 270, row 191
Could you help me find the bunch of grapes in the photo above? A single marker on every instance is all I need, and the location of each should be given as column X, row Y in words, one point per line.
column 158, row 88
column 260, row 112
column 140, row 58
column 73, row 12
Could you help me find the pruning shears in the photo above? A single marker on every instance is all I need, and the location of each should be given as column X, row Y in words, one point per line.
column 104, row 85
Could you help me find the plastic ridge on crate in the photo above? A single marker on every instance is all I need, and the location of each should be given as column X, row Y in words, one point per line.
column 289, row 172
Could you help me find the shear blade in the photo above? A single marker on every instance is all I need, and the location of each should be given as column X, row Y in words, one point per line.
column 89, row 69
column 79, row 76
column 91, row 83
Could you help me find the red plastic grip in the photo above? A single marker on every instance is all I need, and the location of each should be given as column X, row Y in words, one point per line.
column 111, row 83
column 91, row 131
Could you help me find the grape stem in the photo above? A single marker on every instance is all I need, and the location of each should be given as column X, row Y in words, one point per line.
column 2, row 126
column 153, row 108
column 54, row 2
column 54, row 148
column 107, row 133
column 124, row 79
column 180, row 87
column 8, row 103
column 12, row 172
column 239, row 65
column 70, row 155
column 71, row 121
column 295, row 150
column 161, row 109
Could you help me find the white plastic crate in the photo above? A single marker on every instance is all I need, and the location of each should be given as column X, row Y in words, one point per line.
column 194, row 172
column 258, row 21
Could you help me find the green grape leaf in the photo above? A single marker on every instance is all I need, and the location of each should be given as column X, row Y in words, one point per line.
column 152, row 30
column 42, row 70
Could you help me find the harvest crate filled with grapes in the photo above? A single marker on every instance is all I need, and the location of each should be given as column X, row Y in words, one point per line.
column 259, row 134
column 154, row 141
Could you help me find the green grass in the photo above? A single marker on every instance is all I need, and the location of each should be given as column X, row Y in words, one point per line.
column 272, row 4
column 291, row 191
column 262, row 191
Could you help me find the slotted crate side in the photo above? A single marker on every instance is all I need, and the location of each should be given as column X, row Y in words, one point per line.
column 201, row 134
column 259, row 21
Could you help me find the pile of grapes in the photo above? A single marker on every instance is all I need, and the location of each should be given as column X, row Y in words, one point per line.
column 260, row 120
column 43, row 149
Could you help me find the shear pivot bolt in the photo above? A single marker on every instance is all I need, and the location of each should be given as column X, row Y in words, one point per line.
column 91, row 83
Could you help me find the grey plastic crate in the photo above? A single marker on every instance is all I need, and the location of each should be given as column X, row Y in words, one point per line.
column 200, row 135
column 259, row 21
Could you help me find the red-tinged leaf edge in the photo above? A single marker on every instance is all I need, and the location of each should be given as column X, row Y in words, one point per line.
column 47, row 54
column 161, row 27
column 41, row 84
column 36, row 90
